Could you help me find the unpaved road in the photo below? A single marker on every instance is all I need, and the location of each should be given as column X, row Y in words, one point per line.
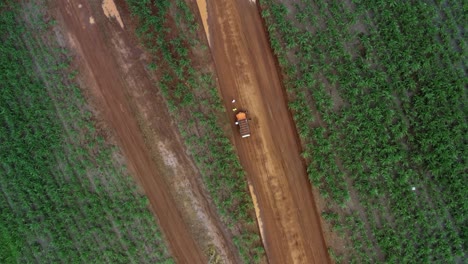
column 100, row 46
column 247, row 72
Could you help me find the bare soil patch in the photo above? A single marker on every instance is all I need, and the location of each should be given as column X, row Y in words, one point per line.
column 114, row 70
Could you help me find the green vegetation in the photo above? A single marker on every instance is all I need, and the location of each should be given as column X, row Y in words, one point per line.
column 64, row 196
column 169, row 31
column 378, row 93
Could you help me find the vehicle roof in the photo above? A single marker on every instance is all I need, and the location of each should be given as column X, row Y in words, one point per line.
column 241, row 116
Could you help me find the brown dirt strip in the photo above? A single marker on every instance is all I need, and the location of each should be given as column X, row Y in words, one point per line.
column 108, row 86
column 271, row 156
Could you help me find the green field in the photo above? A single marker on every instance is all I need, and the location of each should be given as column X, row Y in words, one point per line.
column 378, row 93
column 170, row 33
column 65, row 196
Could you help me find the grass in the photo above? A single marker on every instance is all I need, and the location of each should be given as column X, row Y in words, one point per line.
column 377, row 90
column 65, row 197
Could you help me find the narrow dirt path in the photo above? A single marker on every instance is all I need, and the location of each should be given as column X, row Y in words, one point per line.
column 105, row 79
column 247, row 72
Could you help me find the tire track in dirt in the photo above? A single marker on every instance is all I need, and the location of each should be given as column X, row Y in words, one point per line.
column 108, row 86
column 247, row 72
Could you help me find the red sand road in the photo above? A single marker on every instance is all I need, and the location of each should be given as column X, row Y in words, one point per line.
column 247, row 72
column 109, row 86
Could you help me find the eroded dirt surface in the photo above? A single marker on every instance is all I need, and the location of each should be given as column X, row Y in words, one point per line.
column 271, row 156
column 114, row 70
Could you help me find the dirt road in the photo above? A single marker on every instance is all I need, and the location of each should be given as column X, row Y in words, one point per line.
column 98, row 56
column 246, row 70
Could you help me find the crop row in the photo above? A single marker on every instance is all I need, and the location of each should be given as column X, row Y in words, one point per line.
column 169, row 31
column 376, row 91
column 65, row 198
